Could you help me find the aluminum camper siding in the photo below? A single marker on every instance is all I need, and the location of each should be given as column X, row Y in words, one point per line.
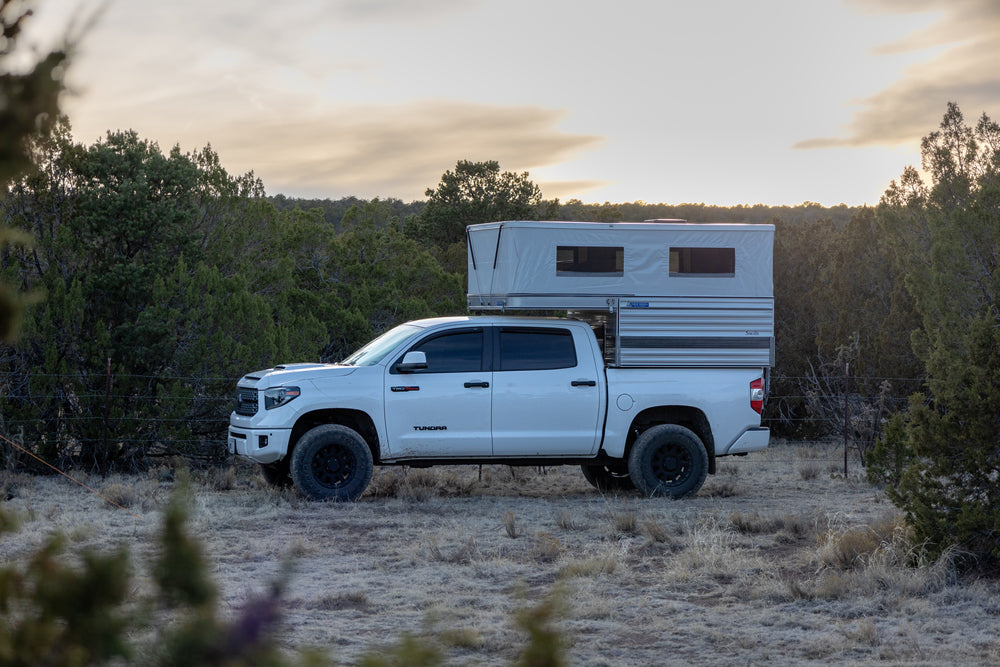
column 696, row 332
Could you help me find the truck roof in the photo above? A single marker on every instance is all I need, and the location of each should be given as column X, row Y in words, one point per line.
column 490, row 319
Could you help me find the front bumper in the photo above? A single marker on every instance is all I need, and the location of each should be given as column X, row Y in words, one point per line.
column 752, row 440
column 261, row 445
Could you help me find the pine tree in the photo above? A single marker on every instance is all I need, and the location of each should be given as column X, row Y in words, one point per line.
column 475, row 192
column 946, row 238
column 30, row 103
column 950, row 491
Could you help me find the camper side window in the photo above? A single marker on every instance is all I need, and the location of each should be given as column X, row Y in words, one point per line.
column 575, row 260
column 718, row 262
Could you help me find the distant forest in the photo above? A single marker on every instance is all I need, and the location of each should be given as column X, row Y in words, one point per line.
column 334, row 210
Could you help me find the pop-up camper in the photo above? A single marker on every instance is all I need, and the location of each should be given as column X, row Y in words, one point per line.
column 658, row 293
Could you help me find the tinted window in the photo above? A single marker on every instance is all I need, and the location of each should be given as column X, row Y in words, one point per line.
column 703, row 262
column 458, row 352
column 536, row 349
column 375, row 351
column 589, row 260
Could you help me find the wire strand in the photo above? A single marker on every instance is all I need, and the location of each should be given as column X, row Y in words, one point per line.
column 75, row 481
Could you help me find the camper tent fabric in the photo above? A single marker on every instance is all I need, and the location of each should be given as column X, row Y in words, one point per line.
column 518, row 258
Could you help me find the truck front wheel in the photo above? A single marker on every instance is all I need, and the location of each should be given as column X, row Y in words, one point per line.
column 332, row 462
column 668, row 460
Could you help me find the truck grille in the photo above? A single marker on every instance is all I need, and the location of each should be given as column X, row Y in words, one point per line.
column 246, row 402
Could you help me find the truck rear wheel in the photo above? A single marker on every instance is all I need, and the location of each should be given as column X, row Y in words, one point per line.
column 668, row 460
column 332, row 462
column 608, row 479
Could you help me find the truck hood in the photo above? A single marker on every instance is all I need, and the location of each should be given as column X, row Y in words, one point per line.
column 291, row 373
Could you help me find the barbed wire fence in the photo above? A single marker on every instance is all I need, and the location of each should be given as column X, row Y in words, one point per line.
column 79, row 421
column 839, row 408
column 106, row 421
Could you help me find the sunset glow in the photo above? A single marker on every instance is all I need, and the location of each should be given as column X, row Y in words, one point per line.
column 723, row 102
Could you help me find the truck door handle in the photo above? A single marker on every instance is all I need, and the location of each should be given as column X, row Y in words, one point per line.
column 584, row 383
column 484, row 385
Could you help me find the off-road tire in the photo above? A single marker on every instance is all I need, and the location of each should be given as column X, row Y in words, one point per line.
column 668, row 460
column 608, row 479
column 331, row 462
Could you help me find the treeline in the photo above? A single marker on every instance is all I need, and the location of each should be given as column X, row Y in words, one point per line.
column 334, row 210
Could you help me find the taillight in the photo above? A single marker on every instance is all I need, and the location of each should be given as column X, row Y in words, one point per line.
column 757, row 395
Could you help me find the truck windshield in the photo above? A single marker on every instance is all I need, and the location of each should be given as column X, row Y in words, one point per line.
column 375, row 351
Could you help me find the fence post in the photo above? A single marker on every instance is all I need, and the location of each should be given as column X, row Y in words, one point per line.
column 847, row 411
column 107, row 417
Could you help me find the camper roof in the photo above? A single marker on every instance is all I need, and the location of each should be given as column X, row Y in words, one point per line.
column 661, row 224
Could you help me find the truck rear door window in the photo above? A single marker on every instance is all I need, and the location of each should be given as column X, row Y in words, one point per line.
column 719, row 262
column 590, row 261
column 536, row 349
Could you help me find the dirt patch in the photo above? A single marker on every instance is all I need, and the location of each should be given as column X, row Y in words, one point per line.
column 771, row 562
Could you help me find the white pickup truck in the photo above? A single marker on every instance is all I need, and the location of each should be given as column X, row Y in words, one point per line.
column 642, row 391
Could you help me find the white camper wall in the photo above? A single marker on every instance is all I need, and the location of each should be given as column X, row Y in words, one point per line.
column 524, row 256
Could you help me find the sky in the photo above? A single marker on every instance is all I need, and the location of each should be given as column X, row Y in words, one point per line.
column 720, row 102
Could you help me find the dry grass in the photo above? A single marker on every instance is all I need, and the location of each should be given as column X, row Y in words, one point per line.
column 811, row 470
column 510, row 525
column 767, row 564
column 624, row 521
column 121, row 495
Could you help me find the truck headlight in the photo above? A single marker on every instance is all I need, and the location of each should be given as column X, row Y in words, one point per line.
column 275, row 397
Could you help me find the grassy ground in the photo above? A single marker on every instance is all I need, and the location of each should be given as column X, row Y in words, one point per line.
column 780, row 558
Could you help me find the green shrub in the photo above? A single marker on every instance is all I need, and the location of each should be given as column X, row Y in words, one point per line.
column 891, row 455
column 943, row 464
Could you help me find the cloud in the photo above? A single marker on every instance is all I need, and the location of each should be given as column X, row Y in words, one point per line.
column 398, row 10
column 965, row 72
column 396, row 150
column 264, row 86
column 568, row 189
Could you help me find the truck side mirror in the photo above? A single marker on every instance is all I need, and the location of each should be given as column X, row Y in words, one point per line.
column 415, row 360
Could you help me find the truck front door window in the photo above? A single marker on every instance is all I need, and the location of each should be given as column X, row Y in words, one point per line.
column 453, row 352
